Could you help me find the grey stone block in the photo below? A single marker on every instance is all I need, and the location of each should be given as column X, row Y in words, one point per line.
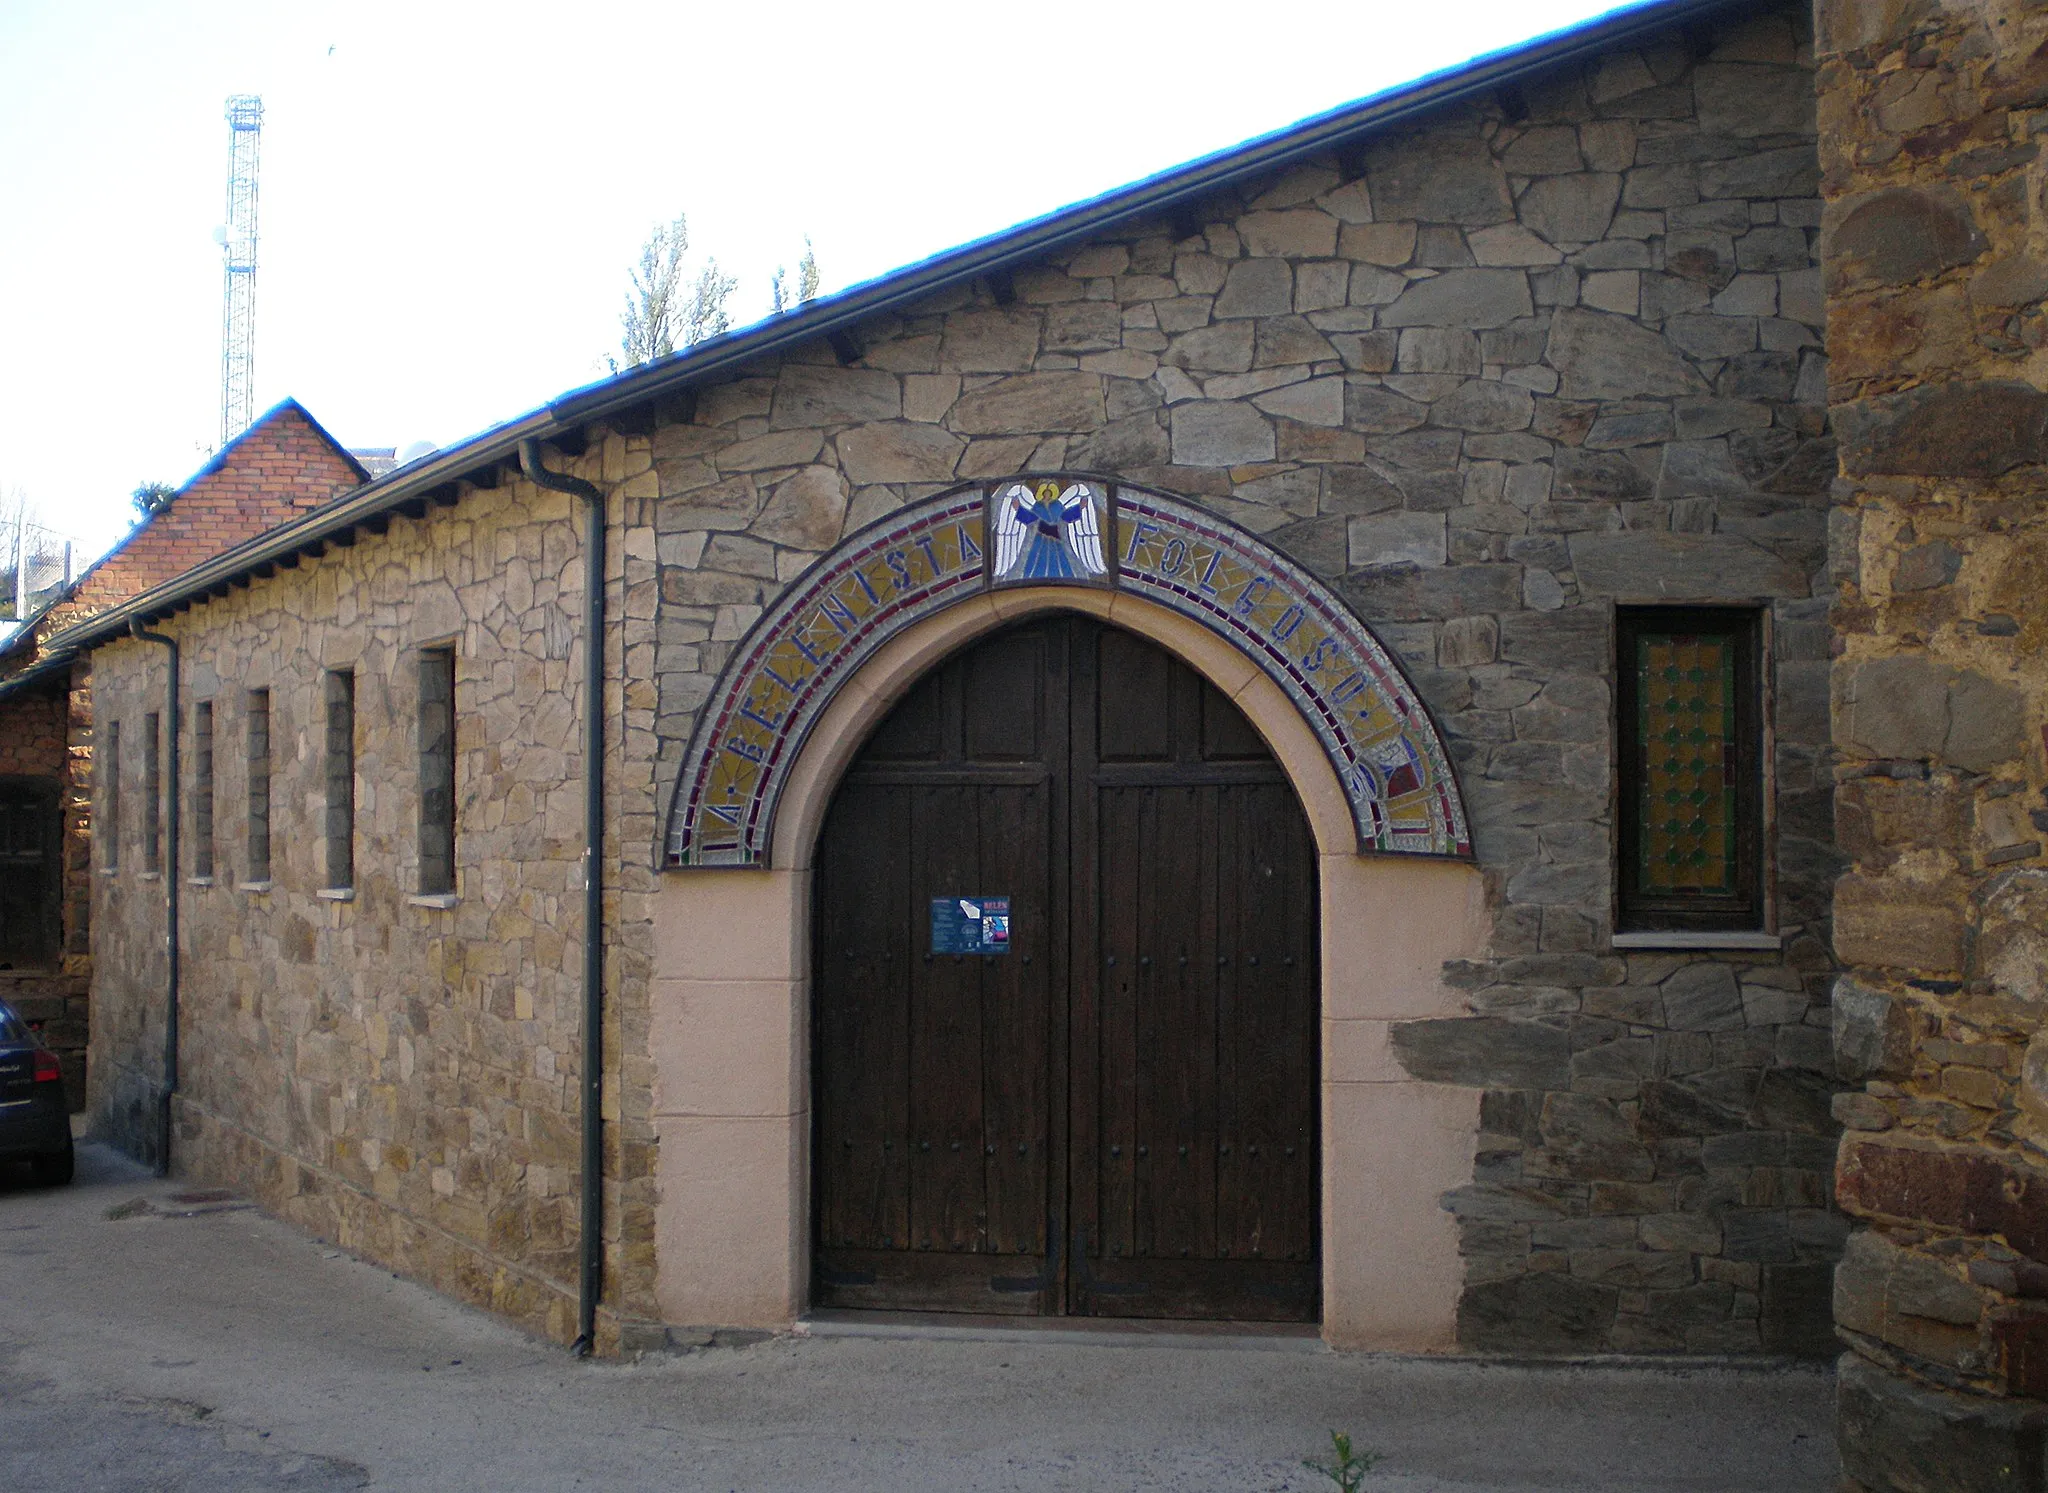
column 1748, row 99
column 1485, row 1052
column 1702, row 997
column 1409, row 594
column 1967, row 428
column 1438, row 178
column 1220, row 435
column 1873, row 1032
column 1899, row 1436
column 1462, row 298
column 1793, row 171
column 1602, row 356
column 1986, row 722
column 1257, row 287
column 1671, row 567
column 1577, row 639
column 810, row 395
column 1484, row 405
column 1574, row 209
column 1900, row 234
column 1545, row 1313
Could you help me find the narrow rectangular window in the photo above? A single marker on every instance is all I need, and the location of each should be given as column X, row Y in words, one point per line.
column 437, row 771
column 110, row 798
column 259, row 785
column 202, row 789
column 1691, row 765
column 341, row 778
column 152, row 792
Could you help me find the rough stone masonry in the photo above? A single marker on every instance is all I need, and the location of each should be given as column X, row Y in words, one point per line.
column 1932, row 122
column 1487, row 376
column 1527, row 358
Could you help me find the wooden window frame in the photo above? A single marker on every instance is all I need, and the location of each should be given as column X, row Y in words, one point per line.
column 152, row 793
column 340, row 773
column 258, row 737
column 110, row 799
column 1744, row 911
column 36, row 801
column 202, row 790
column 437, row 746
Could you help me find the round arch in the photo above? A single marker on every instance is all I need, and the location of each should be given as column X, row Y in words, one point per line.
column 1113, row 545
column 729, row 1024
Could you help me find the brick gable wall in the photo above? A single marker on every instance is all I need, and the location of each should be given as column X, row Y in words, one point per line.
column 281, row 467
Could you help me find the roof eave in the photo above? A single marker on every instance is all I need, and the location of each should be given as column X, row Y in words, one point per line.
column 839, row 313
column 1157, row 195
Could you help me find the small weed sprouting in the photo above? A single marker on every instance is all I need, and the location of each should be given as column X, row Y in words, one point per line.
column 1347, row 1468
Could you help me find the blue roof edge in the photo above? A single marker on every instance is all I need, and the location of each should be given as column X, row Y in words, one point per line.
column 841, row 312
column 1180, row 184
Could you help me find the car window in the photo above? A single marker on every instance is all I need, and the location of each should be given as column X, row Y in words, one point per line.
column 11, row 1030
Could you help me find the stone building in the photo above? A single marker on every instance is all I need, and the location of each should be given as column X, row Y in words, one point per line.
column 1933, row 117
column 282, row 465
column 1255, row 747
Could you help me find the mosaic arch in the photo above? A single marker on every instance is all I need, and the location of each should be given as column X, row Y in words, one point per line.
column 1061, row 531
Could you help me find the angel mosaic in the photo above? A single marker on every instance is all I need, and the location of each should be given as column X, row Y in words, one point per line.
column 1045, row 532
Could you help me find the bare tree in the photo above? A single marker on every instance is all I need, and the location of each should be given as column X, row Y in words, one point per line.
column 35, row 560
column 779, row 296
column 666, row 308
column 654, row 304
column 807, row 274
column 704, row 316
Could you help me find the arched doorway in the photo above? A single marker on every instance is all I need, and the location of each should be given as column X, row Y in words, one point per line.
column 1119, row 1114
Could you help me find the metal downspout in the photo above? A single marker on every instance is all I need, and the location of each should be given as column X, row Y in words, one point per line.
column 592, row 1281
column 171, row 864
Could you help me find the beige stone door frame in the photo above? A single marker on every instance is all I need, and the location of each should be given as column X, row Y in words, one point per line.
column 730, row 1037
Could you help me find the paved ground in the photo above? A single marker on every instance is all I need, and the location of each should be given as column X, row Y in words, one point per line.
column 222, row 1350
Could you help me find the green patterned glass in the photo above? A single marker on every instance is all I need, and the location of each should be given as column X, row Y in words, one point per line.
column 1685, row 719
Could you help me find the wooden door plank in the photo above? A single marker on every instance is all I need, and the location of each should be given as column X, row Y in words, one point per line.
column 861, row 1017
column 1015, row 1060
column 947, row 1205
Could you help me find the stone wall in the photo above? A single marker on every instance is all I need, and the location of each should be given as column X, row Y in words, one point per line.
column 1937, row 260
column 282, row 466
column 395, row 1073
column 32, row 728
column 1489, row 376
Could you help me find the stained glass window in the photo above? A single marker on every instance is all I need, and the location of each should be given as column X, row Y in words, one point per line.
column 1691, row 829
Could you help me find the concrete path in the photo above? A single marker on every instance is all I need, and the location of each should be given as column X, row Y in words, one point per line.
column 222, row 1350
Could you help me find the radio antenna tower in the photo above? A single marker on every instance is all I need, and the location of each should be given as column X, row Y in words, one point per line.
column 238, row 267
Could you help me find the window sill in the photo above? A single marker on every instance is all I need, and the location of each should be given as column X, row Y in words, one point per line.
column 110, row 870
column 442, row 900
column 252, row 886
column 199, row 881
column 336, row 894
column 149, row 876
column 1695, row 939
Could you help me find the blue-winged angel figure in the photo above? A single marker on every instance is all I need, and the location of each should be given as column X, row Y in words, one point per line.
column 1048, row 534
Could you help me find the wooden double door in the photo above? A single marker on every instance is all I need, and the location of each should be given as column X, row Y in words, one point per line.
column 1118, row 1116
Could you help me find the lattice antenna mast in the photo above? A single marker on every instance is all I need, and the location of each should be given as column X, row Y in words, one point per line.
column 238, row 267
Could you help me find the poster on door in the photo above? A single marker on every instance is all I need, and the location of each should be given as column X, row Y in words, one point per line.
column 970, row 925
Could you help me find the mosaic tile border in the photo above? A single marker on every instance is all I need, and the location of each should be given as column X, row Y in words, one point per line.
column 1380, row 739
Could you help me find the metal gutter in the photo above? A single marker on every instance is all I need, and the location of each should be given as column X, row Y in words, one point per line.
column 172, row 881
column 1182, row 186
column 591, row 1182
column 408, row 483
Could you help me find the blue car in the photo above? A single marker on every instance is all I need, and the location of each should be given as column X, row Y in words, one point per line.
column 35, row 1121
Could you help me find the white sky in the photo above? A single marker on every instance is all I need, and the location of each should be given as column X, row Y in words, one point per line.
column 451, row 195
